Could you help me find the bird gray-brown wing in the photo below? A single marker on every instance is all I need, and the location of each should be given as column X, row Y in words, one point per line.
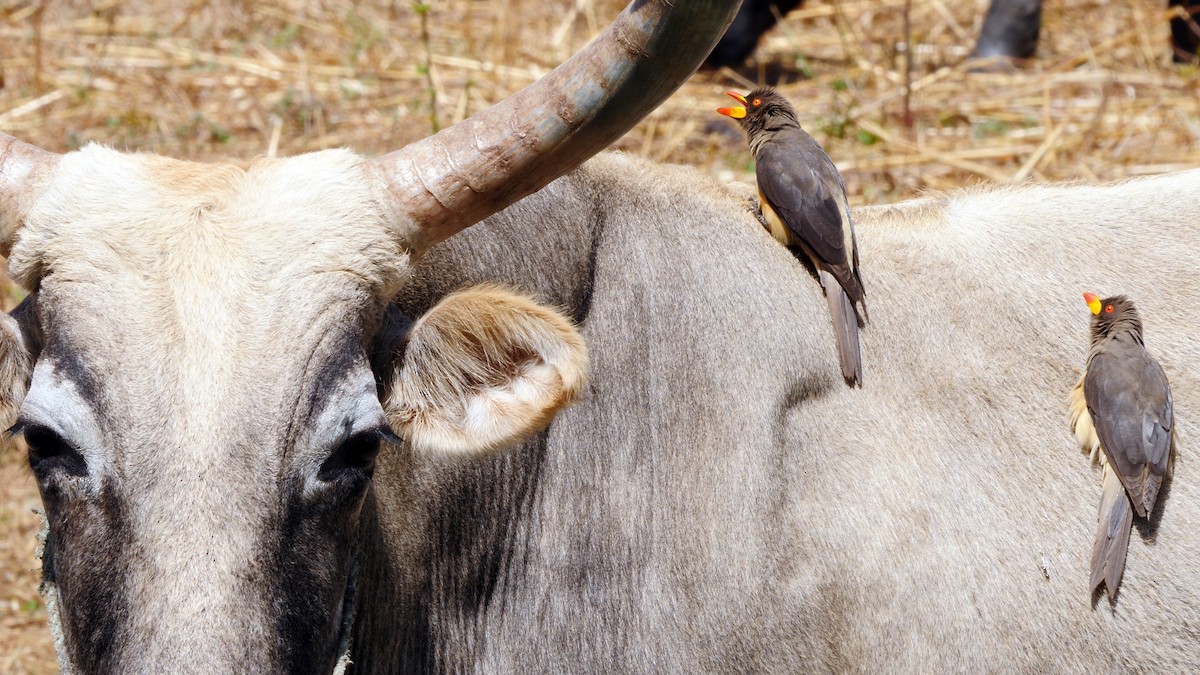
column 1130, row 403
column 796, row 189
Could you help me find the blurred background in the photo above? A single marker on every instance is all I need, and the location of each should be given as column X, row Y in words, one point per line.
column 900, row 111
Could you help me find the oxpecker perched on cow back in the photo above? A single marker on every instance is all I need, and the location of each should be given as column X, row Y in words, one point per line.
column 1121, row 413
column 804, row 203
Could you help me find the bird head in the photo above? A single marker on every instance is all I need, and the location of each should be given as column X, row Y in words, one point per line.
column 1112, row 312
column 763, row 108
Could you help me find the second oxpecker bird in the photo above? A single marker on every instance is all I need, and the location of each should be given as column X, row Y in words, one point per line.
column 1121, row 408
column 804, row 202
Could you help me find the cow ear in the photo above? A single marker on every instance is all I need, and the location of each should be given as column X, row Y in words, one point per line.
column 482, row 370
column 16, row 365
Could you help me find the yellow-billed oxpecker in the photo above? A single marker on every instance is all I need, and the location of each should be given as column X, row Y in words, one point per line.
column 804, row 204
column 1121, row 413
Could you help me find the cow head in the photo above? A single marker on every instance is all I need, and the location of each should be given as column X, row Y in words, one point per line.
column 207, row 364
column 202, row 415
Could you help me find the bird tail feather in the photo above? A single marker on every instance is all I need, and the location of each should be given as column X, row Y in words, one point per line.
column 845, row 326
column 1112, row 535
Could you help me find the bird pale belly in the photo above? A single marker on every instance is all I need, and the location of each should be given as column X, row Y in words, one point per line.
column 1081, row 423
column 774, row 225
column 847, row 232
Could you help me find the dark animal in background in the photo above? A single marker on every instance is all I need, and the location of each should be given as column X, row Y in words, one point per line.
column 754, row 18
column 1122, row 408
column 1185, row 33
column 1010, row 30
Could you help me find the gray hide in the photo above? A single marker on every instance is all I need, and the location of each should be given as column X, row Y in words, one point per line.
column 721, row 502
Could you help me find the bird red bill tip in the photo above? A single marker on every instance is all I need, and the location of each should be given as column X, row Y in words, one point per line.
column 736, row 96
column 736, row 112
column 1093, row 301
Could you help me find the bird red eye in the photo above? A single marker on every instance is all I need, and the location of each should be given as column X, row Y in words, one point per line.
column 1108, row 309
column 757, row 101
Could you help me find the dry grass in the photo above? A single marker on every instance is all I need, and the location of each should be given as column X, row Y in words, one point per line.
column 244, row 78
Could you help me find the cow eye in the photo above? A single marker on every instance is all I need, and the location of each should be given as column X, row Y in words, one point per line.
column 48, row 450
column 355, row 454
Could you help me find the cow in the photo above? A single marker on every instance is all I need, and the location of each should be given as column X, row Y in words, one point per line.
column 754, row 18
column 1009, row 32
column 717, row 501
column 206, row 367
column 1011, row 27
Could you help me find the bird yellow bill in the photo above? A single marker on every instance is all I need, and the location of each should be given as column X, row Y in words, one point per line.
column 1093, row 302
column 737, row 112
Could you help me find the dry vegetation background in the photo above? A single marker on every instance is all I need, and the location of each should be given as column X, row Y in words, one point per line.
column 245, row 78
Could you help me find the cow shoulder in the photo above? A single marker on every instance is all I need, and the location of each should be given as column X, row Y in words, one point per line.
column 482, row 370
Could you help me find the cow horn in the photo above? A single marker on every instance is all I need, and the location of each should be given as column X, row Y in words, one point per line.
column 452, row 180
column 18, row 162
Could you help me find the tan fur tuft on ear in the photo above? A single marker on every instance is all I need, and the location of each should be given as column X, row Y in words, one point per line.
column 484, row 369
column 15, row 368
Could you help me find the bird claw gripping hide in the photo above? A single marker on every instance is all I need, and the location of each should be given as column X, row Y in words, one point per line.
column 755, row 209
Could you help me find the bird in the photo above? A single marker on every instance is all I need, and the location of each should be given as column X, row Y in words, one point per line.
column 1122, row 414
column 804, row 204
